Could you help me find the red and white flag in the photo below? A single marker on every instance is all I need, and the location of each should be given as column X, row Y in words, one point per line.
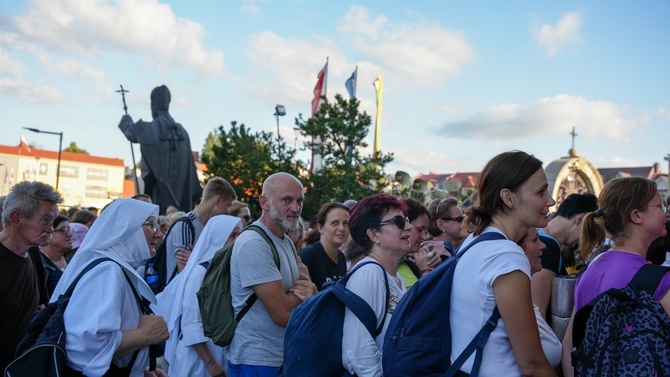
column 320, row 88
column 24, row 143
column 319, row 92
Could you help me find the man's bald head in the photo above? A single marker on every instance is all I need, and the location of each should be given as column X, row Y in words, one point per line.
column 278, row 182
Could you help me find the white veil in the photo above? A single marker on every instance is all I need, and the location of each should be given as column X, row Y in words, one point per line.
column 170, row 301
column 118, row 235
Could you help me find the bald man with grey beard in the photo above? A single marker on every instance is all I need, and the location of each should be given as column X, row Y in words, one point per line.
column 258, row 345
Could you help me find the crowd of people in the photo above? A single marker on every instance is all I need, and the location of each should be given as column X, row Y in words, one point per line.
column 42, row 251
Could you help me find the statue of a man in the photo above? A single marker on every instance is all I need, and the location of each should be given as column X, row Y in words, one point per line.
column 167, row 165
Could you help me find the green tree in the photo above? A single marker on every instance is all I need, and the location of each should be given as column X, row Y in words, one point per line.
column 339, row 132
column 211, row 140
column 245, row 159
column 75, row 149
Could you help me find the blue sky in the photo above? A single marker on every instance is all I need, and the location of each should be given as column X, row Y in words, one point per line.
column 463, row 81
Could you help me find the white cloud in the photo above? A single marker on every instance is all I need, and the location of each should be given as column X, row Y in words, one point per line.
column 250, row 7
column 75, row 69
column 294, row 64
column 549, row 116
column 30, row 93
column 143, row 27
column 10, row 66
column 413, row 54
column 565, row 32
column 664, row 112
column 423, row 53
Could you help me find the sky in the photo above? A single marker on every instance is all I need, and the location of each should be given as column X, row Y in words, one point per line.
column 463, row 81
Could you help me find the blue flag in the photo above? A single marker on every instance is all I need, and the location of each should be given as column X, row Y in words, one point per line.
column 351, row 84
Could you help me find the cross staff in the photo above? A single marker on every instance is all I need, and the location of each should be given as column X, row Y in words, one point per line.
column 132, row 150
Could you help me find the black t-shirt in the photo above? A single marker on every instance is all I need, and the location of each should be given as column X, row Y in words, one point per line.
column 321, row 267
column 21, row 292
column 551, row 256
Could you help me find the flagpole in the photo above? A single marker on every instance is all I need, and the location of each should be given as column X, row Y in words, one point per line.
column 379, row 85
column 355, row 81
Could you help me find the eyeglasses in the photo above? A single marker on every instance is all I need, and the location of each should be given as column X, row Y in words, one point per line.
column 152, row 224
column 663, row 206
column 458, row 219
column 247, row 218
column 63, row 230
column 398, row 221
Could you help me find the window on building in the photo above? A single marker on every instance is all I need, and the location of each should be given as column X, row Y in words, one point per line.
column 97, row 174
column 69, row 171
column 96, row 192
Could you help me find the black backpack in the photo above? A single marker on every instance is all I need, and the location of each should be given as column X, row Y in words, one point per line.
column 41, row 352
column 160, row 259
column 624, row 332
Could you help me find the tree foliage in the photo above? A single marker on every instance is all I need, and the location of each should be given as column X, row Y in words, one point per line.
column 245, row 159
column 75, row 149
column 338, row 132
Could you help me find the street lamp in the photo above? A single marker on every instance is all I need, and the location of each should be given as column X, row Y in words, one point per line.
column 280, row 111
column 60, row 148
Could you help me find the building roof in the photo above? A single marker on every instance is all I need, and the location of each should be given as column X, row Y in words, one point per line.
column 24, row 150
column 467, row 179
column 650, row 172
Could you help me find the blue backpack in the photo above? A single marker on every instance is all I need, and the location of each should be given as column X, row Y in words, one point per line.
column 313, row 339
column 415, row 343
column 624, row 332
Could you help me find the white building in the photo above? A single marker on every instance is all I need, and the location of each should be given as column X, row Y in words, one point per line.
column 84, row 181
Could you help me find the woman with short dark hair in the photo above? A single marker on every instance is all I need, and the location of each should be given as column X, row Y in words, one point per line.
column 379, row 225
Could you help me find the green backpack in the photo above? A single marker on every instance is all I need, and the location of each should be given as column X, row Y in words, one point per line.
column 214, row 297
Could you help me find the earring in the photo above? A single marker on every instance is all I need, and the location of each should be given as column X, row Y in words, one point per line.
column 377, row 242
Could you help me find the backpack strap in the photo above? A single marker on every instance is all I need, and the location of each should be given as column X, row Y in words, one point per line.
column 252, row 299
column 89, row 267
column 357, row 305
column 188, row 222
column 411, row 265
column 648, row 278
column 141, row 302
column 479, row 341
column 145, row 309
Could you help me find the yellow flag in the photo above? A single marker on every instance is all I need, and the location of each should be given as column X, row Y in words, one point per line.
column 378, row 84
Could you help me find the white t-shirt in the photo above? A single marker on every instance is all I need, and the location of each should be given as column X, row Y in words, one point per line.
column 550, row 344
column 361, row 354
column 472, row 302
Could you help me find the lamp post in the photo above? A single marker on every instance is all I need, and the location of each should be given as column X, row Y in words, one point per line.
column 280, row 111
column 60, row 148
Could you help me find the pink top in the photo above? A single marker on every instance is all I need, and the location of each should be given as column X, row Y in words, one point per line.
column 612, row 269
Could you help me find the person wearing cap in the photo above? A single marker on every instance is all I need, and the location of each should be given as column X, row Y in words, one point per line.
column 53, row 254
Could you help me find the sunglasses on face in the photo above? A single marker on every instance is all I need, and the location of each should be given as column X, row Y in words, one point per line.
column 458, row 219
column 398, row 221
